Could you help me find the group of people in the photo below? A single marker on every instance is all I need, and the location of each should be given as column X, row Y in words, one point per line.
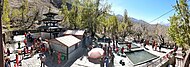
column 21, row 53
column 154, row 44
column 108, row 57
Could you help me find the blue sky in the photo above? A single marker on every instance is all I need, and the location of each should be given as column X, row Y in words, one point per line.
column 146, row 10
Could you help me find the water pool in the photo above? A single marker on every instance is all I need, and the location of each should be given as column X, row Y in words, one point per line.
column 140, row 56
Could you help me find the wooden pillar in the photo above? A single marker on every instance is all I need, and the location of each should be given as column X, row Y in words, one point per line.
column 1, row 43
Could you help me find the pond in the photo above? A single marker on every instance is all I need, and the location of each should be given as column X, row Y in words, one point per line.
column 140, row 56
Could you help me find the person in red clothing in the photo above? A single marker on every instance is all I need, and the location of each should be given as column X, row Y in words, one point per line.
column 25, row 34
column 59, row 57
column 156, row 45
column 147, row 42
column 116, row 50
column 153, row 43
column 25, row 42
column 122, row 50
column 17, row 61
column 43, row 47
column 129, row 46
column 15, row 65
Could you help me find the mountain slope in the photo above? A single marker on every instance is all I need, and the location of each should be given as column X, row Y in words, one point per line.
column 152, row 29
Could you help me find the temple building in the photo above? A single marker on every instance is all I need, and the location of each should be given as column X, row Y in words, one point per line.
column 50, row 27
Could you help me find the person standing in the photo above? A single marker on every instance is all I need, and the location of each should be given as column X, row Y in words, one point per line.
column 147, row 42
column 112, row 60
column 17, row 61
column 129, row 46
column 175, row 47
column 107, row 61
column 7, row 62
column 160, row 46
column 102, row 62
column 20, row 58
column 29, row 36
column 153, row 43
column 42, row 58
column 19, row 45
column 8, row 52
column 51, row 50
column 105, row 50
column 142, row 41
column 25, row 42
column 122, row 50
column 108, row 49
column 116, row 42
column 113, row 46
column 25, row 34
column 116, row 50
column 31, row 51
column 156, row 45
column 24, row 50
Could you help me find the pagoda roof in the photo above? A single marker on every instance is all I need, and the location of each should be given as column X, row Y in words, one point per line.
column 49, row 27
column 50, row 13
column 49, row 19
column 46, row 19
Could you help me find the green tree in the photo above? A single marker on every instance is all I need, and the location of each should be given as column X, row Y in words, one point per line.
column 128, row 23
column 122, row 29
column 6, row 11
column 85, row 14
column 180, row 26
column 113, row 25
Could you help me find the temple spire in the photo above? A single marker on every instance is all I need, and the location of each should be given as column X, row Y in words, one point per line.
column 49, row 8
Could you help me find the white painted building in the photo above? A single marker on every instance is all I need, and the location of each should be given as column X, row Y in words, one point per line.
column 65, row 45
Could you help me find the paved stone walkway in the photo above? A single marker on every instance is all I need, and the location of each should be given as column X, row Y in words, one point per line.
column 35, row 62
column 85, row 63
column 27, row 62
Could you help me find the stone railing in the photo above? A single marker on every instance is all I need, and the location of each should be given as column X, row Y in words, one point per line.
column 160, row 61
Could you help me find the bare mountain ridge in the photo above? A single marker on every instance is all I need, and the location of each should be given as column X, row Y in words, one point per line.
column 152, row 29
